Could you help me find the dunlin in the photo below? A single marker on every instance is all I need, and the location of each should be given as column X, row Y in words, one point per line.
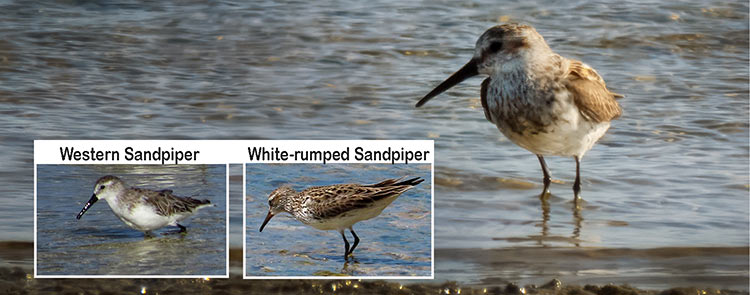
column 337, row 207
column 547, row 104
column 143, row 209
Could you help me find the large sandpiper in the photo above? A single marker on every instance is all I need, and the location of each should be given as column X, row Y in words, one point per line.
column 143, row 209
column 547, row 104
column 337, row 207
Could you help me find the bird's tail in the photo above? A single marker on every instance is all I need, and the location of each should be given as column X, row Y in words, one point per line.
column 397, row 181
column 412, row 182
column 197, row 203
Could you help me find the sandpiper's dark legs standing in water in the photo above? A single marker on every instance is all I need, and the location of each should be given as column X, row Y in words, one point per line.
column 543, row 102
column 346, row 245
column 577, row 183
column 547, row 180
column 348, row 251
column 356, row 241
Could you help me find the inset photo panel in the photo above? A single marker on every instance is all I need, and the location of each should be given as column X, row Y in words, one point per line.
column 357, row 220
column 134, row 221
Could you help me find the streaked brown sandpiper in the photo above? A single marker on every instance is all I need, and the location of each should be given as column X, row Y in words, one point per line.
column 337, row 207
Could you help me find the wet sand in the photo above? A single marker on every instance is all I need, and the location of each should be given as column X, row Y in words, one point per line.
column 16, row 281
column 16, row 275
column 655, row 268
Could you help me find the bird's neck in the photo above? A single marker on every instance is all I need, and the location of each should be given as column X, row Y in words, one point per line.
column 114, row 200
column 528, row 61
column 528, row 69
column 288, row 202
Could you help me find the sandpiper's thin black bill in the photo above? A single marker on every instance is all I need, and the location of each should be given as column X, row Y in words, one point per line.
column 268, row 217
column 467, row 71
column 87, row 206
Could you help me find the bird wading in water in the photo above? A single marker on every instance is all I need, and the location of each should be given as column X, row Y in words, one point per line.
column 547, row 104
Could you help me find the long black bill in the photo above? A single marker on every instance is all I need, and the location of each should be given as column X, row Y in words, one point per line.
column 87, row 206
column 268, row 217
column 467, row 71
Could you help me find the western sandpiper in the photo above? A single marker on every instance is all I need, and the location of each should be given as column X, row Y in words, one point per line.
column 541, row 101
column 142, row 209
column 337, row 207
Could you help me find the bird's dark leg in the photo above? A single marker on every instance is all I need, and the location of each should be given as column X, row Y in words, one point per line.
column 577, row 183
column 547, row 179
column 346, row 245
column 182, row 228
column 356, row 241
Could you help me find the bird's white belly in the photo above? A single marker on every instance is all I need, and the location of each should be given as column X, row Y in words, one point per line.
column 561, row 138
column 563, row 130
column 143, row 218
column 346, row 219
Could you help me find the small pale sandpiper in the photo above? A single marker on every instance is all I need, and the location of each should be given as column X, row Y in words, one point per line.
column 143, row 209
column 337, row 207
column 547, row 104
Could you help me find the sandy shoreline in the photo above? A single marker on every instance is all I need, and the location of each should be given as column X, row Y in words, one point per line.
column 16, row 271
column 20, row 281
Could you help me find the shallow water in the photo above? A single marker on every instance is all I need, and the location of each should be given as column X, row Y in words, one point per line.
column 671, row 172
column 653, row 268
column 395, row 243
column 100, row 244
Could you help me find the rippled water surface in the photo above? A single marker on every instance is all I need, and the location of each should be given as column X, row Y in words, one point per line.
column 100, row 244
column 395, row 243
column 671, row 172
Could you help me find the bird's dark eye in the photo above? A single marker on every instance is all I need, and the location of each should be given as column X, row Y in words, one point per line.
column 495, row 46
column 101, row 187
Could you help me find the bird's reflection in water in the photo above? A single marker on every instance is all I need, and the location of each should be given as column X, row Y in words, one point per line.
column 577, row 221
column 346, row 270
column 155, row 254
column 544, row 201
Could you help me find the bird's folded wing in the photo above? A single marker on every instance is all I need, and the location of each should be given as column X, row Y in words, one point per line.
column 590, row 94
column 359, row 197
column 167, row 204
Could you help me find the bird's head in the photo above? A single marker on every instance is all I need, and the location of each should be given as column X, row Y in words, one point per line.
column 276, row 202
column 498, row 46
column 105, row 187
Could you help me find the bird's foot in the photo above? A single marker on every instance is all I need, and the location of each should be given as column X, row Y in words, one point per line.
column 545, row 194
column 351, row 259
column 545, row 191
column 577, row 201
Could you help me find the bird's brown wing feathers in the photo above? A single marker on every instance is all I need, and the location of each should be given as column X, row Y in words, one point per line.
column 590, row 94
column 167, row 203
column 334, row 200
column 331, row 203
